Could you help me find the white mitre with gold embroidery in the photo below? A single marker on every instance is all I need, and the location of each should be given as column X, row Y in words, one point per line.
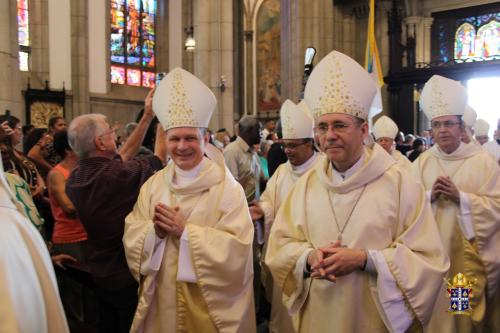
column 481, row 127
column 443, row 97
column 296, row 121
column 469, row 116
column 338, row 84
column 385, row 127
column 183, row 100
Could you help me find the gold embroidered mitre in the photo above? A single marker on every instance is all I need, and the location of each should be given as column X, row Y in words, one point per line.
column 338, row 84
column 385, row 127
column 443, row 97
column 296, row 121
column 183, row 100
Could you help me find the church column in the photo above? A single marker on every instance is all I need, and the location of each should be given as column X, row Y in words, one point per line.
column 349, row 35
column 310, row 23
column 427, row 24
column 79, row 59
column 213, row 57
column 39, row 38
column 249, row 96
column 415, row 30
column 10, row 89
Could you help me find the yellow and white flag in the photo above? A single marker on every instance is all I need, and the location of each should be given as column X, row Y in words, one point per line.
column 372, row 62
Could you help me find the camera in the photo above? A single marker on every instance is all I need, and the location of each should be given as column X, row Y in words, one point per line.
column 159, row 77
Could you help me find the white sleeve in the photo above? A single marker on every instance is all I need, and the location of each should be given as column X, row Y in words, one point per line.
column 390, row 296
column 185, row 271
column 428, row 195
column 465, row 217
column 152, row 253
column 299, row 296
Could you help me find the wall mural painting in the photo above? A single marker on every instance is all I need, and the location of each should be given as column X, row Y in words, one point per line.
column 268, row 57
column 41, row 112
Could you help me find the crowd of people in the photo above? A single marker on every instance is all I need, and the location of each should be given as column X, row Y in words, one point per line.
column 312, row 222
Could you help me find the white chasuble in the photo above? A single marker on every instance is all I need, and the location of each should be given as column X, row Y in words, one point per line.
column 277, row 188
column 219, row 234
column 473, row 251
column 391, row 217
column 29, row 296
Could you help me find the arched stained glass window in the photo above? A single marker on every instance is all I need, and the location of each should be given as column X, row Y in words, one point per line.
column 483, row 44
column 488, row 40
column 464, row 41
column 23, row 34
column 133, row 40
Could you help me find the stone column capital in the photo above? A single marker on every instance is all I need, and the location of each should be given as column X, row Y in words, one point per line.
column 427, row 21
column 413, row 20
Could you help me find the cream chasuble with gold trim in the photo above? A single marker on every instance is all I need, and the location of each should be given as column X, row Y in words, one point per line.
column 477, row 176
column 392, row 217
column 220, row 234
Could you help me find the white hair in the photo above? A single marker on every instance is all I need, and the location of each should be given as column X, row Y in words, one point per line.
column 83, row 130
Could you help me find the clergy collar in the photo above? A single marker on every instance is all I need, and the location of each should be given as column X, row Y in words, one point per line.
column 461, row 146
column 189, row 174
column 300, row 169
column 340, row 177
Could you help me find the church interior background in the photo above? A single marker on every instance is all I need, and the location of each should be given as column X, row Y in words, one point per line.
column 101, row 56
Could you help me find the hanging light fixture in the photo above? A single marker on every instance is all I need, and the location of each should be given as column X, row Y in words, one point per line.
column 190, row 43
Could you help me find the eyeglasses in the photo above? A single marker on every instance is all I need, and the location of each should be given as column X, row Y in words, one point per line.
column 337, row 127
column 109, row 131
column 294, row 145
column 446, row 124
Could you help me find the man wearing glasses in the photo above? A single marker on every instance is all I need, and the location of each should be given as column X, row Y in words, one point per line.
column 297, row 124
column 354, row 247
column 103, row 188
column 463, row 184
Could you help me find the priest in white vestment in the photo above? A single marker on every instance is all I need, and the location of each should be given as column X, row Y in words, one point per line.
column 469, row 118
column 354, row 246
column 463, row 184
column 298, row 143
column 481, row 131
column 384, row 131
column 188, row 240
column 29, row 297
column 493, row 147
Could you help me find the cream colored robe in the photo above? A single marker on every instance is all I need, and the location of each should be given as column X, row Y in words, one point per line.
column 220, row 235
column 392, row 216
column 29, row 297
column 476, row 174
column 277, row 188
column 401, row 160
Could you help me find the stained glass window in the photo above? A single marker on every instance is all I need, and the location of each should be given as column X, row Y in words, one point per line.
column 483, row 43
column 464, row 41
column 132, row 42
column 23, row 34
